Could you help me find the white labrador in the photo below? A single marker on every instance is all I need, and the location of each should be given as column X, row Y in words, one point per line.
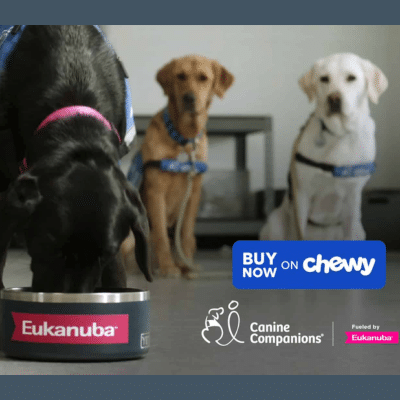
column 324, row 202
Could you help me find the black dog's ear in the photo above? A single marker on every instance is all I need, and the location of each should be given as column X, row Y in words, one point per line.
column 23, row 196
column 16, row 206
column 140, row 229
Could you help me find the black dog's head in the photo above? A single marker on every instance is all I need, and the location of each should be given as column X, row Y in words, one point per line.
column 77, row 207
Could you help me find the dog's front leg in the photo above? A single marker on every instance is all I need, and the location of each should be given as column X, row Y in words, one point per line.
column 16, row 205
column 4, row 238
column 7, row 227
column 157, row 214
column 189, row 222
column 352, row 226
column 302, row 206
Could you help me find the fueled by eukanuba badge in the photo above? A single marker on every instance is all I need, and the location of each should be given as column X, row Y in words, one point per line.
column 309, row 264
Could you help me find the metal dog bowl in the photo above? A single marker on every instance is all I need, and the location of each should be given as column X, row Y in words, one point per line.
column 112, row 325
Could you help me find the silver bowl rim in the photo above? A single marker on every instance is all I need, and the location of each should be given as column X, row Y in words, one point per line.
column 124, row 296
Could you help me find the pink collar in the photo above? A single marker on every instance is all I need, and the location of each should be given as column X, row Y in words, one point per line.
column 68, row 112
column 72, row 111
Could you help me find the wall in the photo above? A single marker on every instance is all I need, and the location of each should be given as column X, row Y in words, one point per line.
column 267, row 62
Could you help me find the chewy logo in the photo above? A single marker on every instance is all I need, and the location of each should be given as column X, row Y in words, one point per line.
column 336, row 264
column 71, row 329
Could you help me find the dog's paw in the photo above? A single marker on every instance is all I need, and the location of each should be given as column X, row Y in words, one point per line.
column 191, row 272
column 170, row 272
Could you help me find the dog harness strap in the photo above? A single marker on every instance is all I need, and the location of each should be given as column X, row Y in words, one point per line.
column 137, row 168
column 175, row 166
column 346, row 171
column 74, row 111
column 172, row 165
column 174, row 133
column 355, row 170
column 308, row 161
column 130, row 129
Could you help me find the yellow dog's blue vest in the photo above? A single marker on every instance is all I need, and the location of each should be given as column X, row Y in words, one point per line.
column 137, row 168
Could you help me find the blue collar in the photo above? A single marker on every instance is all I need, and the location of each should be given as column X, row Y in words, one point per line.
column 174, row 133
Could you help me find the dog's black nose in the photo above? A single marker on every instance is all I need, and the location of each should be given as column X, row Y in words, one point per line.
column 189, row 101
column 335, row 103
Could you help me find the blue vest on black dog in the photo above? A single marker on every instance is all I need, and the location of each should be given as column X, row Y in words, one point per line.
column 9, row 37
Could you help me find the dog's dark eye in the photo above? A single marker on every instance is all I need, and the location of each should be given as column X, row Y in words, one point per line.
column 181, row 76
column 324, row 78
column 202, row 77
column 351, row 78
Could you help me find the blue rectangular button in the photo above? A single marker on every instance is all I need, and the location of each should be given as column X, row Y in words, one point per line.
column 309, row 264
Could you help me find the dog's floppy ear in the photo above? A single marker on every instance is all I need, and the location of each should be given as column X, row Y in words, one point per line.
column 140, row 229
column 307, row 84
column 377, row 82
column 23, row 195
column 165, row 77
column 18, row 203
column 223, row 79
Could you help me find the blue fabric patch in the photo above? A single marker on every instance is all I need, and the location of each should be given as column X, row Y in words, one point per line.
column 172, row 165
column 130, row 122
column 136, row 169
column 7, row 43
column 350, row 171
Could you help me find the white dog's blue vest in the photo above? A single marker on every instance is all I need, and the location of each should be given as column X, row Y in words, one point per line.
column 343, row 171
column 136, row 170
column 9, row 37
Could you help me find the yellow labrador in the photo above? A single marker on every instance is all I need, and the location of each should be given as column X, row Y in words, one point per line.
column 334, row 154
column 190, row 84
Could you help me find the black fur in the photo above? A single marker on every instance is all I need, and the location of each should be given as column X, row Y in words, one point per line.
column 74, row 202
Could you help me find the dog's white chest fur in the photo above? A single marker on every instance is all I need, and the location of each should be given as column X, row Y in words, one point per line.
column 328, row 195
column 355, row 147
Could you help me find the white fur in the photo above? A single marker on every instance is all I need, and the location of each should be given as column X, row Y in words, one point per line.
column 332, row 201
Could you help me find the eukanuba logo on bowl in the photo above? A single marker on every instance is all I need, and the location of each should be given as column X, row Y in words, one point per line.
column 71, row 329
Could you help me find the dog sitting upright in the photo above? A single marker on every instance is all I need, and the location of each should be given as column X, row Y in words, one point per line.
column 62, row 102
column 334, row 154
column 190, row 84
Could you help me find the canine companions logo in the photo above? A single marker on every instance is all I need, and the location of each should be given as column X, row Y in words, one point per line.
column 71, row 329
column 309, row 265
column 233, row 323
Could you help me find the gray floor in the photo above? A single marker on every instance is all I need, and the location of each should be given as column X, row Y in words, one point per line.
column 179, row 309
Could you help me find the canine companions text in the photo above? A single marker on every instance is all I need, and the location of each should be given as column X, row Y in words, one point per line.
column 334, row 154
column 62, row 102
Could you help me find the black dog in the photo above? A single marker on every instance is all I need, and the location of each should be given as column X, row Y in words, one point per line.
column 74, row 201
